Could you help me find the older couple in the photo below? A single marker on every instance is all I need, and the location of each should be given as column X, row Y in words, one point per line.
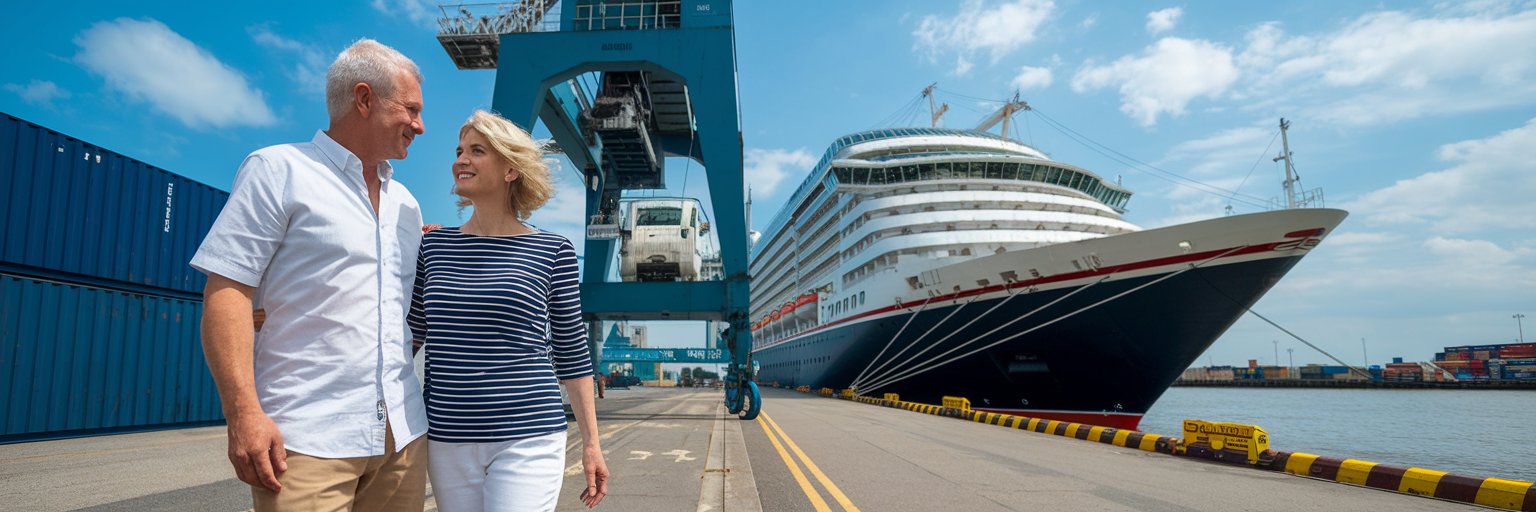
column 323, row 406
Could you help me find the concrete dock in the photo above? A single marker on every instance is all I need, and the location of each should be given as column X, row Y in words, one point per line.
column 674, row 449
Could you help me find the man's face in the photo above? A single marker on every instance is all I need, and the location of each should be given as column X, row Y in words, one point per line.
column 398, row 121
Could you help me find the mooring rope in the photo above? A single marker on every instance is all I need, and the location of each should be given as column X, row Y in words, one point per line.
column 916, row 371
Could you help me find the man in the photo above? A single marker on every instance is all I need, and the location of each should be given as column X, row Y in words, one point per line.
column 330, row 415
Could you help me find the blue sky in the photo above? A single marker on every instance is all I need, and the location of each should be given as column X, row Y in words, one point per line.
column 1418, row 118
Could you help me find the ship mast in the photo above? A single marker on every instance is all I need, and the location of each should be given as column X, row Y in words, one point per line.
column 1294, row 199
column 936, row 112
column 1290, row 167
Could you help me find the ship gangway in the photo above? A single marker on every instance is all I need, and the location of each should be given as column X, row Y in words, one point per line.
column 664, row 86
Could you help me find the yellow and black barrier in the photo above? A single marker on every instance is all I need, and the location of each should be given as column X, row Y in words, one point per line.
column 956, row 402
column 1491, row 492
column 1249, row 447
column 1227, row 442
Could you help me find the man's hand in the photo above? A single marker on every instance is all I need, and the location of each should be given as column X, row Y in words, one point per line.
column 229, row 324
column 256, row 450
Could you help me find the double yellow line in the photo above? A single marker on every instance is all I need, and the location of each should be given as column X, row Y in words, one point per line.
column 774, row 434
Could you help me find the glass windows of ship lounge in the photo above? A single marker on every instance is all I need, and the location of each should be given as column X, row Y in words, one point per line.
column 1082, row 182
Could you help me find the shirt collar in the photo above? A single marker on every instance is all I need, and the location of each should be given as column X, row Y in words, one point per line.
column 343, row 160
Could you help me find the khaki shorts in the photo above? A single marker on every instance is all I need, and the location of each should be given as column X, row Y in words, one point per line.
column 393, row 482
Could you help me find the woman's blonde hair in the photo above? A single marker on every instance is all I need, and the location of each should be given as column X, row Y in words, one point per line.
column 532, row 188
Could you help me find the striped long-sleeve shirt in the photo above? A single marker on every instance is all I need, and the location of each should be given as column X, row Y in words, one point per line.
column 501, row 317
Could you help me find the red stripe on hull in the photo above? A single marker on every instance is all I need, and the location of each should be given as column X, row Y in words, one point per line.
column 1119, row 421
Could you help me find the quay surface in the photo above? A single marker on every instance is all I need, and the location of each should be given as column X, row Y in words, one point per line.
column 674, row 449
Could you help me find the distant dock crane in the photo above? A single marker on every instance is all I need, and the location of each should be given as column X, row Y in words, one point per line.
column 665, row 86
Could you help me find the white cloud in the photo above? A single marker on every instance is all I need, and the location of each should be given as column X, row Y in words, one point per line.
column 1165, row 78
column 996, row 29
column 1381, row 67
column 308, row 66
column 38, row 92
column 1090, row 21
column 147, row 61
column 1488, row 187
column 1390, row 66
column 420, row 12
column 1031, row 77
column 1163, row 20
column 1223, row 153
column 568, row 207
column 767, row 168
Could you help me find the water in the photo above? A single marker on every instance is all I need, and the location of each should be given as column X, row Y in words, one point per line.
column 1477, row 433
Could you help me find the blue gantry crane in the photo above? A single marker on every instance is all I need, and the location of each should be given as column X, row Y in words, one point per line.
column 621, row 86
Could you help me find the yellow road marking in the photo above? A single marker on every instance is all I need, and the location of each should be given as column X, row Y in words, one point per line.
column 837, row 494
column 805, row 484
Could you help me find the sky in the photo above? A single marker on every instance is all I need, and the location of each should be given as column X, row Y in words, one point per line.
column 1417, row 118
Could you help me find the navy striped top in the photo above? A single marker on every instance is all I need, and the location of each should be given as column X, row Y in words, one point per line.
column 501, row 317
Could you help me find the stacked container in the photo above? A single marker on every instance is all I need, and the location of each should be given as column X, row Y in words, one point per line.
column 1514, row 361
column 99, row 311
column 1402, row 372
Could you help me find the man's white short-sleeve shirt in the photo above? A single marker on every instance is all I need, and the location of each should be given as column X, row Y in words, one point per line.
column 333, row 359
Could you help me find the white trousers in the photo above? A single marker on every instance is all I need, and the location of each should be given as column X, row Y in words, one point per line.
column 518, row 475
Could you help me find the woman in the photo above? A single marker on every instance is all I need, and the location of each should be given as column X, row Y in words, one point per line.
column 497, row 308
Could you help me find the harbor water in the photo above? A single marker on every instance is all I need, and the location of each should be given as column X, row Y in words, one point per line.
column 1476, row 433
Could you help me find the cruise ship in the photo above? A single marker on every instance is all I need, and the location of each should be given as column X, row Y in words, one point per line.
column 932, row 262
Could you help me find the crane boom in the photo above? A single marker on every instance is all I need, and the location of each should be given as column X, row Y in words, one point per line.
column 1003, row 114
column 936, row 111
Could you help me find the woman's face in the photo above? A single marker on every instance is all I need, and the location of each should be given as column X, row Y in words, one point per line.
column 480, row 172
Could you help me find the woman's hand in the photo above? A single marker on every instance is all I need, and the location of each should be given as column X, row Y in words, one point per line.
column 597, row 476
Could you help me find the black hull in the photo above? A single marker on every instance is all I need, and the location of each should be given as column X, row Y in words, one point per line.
column 1111, row 362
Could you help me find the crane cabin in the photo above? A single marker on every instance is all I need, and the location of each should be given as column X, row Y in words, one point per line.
column 662, row 239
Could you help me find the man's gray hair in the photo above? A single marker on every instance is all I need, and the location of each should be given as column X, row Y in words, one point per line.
column 366, row 61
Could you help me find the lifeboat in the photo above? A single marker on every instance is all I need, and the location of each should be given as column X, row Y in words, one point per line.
column 805, row 307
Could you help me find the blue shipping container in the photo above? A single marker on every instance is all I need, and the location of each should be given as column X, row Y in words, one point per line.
column 80, row 360
column 76, row 212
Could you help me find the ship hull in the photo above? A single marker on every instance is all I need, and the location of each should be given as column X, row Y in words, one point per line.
column 1096, row 348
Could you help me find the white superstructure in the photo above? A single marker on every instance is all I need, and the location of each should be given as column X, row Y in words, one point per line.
column 882, row 206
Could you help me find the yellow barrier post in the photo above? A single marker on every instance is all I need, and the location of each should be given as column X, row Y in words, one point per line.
column 1248, row 440
column 955, row 402
column 826, row 392
column 892, row 397
column 846, row 393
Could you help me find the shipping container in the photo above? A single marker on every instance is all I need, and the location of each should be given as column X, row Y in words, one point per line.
column 81, row 360
column 80, row 213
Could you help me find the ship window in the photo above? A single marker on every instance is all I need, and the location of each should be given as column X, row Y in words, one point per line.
column 861, row 298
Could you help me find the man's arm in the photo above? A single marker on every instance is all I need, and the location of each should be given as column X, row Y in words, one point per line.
column 255, row 444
